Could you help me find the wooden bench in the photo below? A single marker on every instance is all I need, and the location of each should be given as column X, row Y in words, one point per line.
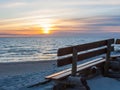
column 73, row 54
column 117, row 41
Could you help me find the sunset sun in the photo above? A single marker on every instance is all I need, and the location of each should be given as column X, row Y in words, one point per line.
column 46, row 28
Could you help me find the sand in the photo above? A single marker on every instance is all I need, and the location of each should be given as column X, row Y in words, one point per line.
column 17, row 68
column 20, row 75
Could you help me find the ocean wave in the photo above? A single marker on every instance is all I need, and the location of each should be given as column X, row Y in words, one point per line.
column 49, row 53
column 117, row 48
column 34, row 49
column 23, row 51
column 3, row 51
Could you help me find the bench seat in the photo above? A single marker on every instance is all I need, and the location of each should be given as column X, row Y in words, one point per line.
column 67, row 72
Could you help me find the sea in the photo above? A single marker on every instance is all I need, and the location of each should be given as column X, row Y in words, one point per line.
column 22, row 49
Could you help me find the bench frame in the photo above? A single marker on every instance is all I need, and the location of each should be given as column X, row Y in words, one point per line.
column 74, row 50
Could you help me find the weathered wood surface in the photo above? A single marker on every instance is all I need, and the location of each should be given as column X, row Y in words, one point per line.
column 83, row 47
column 96, row 48
column 106, row 66
column 117, row 41
column 68, row 60
column 115, row 56
column 80, row 67
column 61, row 72
column 74, row 62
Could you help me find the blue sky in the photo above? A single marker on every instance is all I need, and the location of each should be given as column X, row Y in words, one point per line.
column 16, row 14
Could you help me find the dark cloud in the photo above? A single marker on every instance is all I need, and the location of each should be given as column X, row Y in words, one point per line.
column 94, row 24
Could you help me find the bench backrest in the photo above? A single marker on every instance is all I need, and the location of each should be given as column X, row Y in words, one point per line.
column 70, row 55
column 117, row 41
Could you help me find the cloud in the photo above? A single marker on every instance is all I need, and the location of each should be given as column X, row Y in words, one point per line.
column 58, row 3
column 91, row 2
column 12, row 4
column 91, row 24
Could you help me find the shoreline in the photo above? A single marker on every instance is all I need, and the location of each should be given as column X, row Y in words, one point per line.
column 14, row 76
column 20, row 75
column 26, row 62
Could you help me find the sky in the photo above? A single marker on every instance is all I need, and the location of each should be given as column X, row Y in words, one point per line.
column 41, row 17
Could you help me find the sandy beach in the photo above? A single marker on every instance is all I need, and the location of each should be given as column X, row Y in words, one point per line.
column 22, row 74
column 18, row 68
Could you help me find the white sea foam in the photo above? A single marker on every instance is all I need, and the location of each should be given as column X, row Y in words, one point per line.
column 35, row 49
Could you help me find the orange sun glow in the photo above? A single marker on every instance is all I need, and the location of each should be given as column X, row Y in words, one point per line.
column 46, row 28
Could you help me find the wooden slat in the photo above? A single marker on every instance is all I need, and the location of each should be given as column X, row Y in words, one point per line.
column 68, row 60
column 69, row 70
column 115, row 56
column 78, row 69
column 117, row 41
column 69, row 50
